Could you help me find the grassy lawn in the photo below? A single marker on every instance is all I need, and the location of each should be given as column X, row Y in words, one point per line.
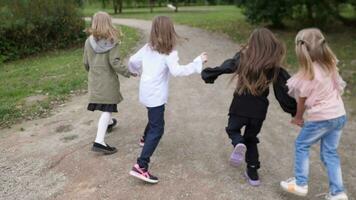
column 50, row 77
column 230, row 20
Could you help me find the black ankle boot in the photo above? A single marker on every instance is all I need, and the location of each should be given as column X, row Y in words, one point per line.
column 252, row 173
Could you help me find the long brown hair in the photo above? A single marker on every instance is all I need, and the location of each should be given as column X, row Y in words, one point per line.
column 163, row 37
column 102, row 28
column 310, row 46
column 259, row 60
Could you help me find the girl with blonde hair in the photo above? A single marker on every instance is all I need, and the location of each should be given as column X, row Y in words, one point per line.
column 317, row 87
column 102, row 61
column 155, row 62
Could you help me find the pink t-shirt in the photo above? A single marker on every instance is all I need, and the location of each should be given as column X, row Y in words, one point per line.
column 323, row 94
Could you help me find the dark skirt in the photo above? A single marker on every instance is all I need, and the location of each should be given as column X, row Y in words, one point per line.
column 102, row 107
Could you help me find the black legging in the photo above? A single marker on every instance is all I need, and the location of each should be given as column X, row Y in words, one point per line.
column 249, row 138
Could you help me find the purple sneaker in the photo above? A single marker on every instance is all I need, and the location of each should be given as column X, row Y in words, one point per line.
column 238, row 155
column 253, row 181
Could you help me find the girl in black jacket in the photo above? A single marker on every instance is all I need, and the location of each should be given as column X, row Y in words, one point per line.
column 255, row 66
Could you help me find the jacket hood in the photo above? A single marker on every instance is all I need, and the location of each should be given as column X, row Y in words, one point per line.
column 101, row 46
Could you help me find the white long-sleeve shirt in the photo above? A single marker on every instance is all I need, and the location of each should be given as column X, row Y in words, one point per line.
column 155, row 69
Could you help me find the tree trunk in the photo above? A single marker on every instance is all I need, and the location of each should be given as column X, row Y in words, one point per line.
column 151, row 2
column 115, row 6
column 176, row 5
column 120, row 5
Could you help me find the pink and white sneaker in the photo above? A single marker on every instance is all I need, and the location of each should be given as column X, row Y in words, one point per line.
column 143, row 174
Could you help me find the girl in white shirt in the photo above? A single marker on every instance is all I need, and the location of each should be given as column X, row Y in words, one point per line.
column 154, row 63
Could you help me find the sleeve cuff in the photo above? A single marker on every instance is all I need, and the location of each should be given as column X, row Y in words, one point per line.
column 199, row 64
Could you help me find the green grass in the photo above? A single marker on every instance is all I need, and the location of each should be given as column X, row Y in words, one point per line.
column 55, row 74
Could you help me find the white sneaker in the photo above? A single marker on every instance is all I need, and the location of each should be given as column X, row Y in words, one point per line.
column 290, row 186
column 340, row 196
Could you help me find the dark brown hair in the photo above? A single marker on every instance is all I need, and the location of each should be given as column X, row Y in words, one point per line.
column 259, row 61
column 163, row 37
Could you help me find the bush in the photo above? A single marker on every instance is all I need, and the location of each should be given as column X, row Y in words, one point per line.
column 258, row 11
column 308, row 12
column 32, row 26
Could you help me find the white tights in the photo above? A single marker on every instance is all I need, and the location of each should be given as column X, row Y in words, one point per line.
column 104, row 121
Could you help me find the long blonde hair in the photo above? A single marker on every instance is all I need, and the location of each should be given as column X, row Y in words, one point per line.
column 163, row 37
column 259, row 64
column 311, row 46
column 102, row 28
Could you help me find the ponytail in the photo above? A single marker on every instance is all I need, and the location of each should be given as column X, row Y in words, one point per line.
column 311, row 46
column 305, row 61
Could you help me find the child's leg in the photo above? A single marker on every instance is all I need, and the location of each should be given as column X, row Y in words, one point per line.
column 250, row 136
column 234, row 127
column 329, row 156
column 309, row 135
column 104, row 121
column 154, row 134
column 146, row 130
column 252, row 157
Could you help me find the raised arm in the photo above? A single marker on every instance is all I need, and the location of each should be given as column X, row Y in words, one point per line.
column 116, row 64
column 287, row 103
column 229, row 66
column 183, row 70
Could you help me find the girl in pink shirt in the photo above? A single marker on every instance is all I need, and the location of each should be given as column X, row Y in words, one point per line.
column 317, row 87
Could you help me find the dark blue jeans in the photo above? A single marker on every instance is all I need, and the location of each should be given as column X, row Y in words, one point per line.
column 153, row 133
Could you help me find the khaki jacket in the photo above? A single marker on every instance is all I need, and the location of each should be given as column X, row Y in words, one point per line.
column 103, row 81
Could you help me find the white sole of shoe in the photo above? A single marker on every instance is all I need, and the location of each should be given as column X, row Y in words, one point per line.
column 139, row 176
column 294, row 192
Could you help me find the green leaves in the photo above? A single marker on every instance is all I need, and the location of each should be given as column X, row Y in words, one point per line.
column 308, row 12
column 33, row 26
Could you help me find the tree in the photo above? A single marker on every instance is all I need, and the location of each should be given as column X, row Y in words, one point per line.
column 117, row 4
column 151, row 4
column 311, row 12
column 274, row 11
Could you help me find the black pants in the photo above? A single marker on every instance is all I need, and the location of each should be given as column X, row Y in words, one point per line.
column 153, row 133
column 249, row 138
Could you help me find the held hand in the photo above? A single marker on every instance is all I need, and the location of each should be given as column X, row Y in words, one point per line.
column 298, row 121
column 133, row 74
column 204, row 57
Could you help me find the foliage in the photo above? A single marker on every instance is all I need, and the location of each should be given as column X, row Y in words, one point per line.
column 258, row 11
column 307, row 12
column 31, row 26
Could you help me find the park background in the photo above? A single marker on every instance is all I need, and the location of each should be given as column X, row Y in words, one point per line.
column 46, row 132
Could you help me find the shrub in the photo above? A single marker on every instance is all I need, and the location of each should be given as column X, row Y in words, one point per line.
column 33, row 26
column 308, row 12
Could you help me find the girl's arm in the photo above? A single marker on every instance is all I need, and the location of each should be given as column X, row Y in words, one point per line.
column 135, row 62
column 183, row 70
column 115, row 62
column 229, row 66
column 287, row 103
column 298, row 119
column 85, row 58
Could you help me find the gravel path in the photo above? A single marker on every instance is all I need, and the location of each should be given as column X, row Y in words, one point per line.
column 50, row 158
